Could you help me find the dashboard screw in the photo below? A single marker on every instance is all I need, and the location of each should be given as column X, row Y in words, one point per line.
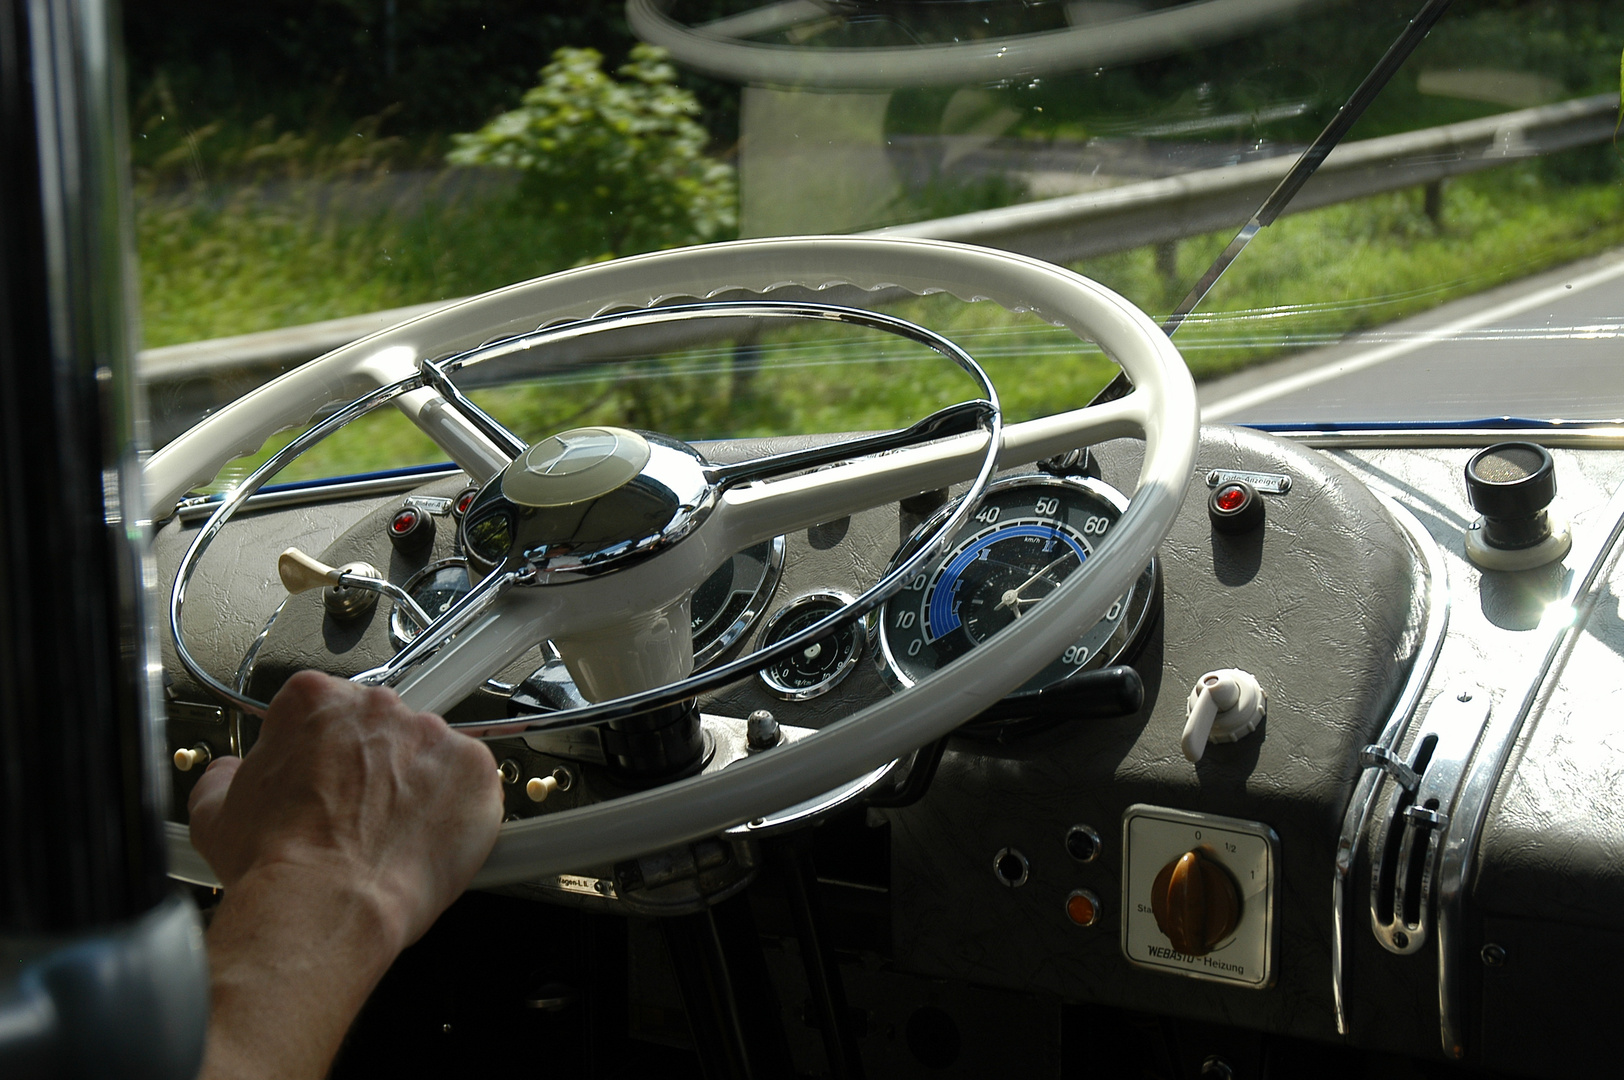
column 1494, row 955
column 1401, row 940
column 1464, row 696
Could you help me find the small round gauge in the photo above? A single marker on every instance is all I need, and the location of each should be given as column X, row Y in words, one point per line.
column 732, row 599
column 818, row 667
column 1027, row 536
column 435, row 588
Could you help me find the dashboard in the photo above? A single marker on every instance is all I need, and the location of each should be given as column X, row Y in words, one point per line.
column 1032, row 855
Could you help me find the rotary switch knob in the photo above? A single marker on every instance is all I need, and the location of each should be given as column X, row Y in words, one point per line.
column 1195, row 903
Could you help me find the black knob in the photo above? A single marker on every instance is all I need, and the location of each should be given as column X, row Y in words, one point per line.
column 411, row 530
column 1099, row 694
column 1235, row 507
column 1511, row 484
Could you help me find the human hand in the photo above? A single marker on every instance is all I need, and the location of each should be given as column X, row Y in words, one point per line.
column 349, row 788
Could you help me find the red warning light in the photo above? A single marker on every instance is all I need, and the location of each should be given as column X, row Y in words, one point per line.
column 1231, row 498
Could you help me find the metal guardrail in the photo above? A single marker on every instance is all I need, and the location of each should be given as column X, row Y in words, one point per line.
column 197, row 375
column 1155, row 211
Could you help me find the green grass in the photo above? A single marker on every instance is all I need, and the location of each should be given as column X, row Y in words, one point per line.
column 267, row 257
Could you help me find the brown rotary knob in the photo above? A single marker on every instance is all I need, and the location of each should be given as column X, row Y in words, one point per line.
column 1195, row 903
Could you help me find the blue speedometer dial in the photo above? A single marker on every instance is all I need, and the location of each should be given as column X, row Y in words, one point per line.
column 1028, row 535
column 999, row 573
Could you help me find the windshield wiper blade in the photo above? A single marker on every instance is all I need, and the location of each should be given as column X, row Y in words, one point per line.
column 1307, row 163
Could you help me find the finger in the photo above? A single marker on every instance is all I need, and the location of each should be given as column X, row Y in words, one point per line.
column 209, row 793
column 304, row 693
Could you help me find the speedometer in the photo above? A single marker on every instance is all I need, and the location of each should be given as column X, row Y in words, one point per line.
column 1028, row 535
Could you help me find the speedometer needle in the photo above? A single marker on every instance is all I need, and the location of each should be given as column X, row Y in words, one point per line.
column 1013, row 598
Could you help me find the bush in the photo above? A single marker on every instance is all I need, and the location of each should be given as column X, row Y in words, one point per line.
column 614, row 167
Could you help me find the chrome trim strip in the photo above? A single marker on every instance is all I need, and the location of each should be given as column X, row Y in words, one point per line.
column 1599, row 437
column 1472, row 807
column 271, row 500
column 1454, row 725
column 1357, row 815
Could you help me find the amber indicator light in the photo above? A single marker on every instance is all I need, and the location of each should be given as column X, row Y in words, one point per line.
column 1081, row 909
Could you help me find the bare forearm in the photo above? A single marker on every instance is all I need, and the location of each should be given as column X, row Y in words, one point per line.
column 294, row 957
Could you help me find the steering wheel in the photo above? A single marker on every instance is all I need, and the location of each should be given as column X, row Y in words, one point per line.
column 718, row 49
column 621, row 617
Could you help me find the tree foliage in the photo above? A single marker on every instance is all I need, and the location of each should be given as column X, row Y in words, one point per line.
column 618, row 166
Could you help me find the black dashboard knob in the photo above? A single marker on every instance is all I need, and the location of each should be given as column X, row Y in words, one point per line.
column 1235, row 507
column 411, row 529
column 1512, row 485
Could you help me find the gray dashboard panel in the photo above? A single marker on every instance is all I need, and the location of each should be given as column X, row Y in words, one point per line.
column 1322, row 606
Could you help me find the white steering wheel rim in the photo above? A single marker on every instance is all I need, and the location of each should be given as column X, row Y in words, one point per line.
column 1162, row 406
column 961, row 63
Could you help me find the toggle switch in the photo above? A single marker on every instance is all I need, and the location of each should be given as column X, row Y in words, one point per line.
column 1225, row 706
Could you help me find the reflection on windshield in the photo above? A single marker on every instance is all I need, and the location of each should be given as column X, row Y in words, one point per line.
column 273, row 199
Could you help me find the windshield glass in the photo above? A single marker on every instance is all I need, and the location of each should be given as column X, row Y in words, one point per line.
column 308, row 174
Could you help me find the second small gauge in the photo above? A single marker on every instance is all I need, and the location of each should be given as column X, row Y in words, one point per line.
column 817, row 668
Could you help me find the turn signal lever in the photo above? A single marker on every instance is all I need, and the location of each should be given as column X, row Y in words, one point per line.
column 301, row 573
column 1101, row 694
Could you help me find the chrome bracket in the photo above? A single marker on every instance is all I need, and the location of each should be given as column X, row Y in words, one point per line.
column 1376, row 756
column 1406, row 847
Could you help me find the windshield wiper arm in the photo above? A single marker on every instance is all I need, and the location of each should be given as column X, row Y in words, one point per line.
column 1305, row 166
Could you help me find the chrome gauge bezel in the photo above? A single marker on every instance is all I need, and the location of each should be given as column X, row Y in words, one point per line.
column 755, row 607
column 1129, row 629
column 398, row 623
column 854, row 653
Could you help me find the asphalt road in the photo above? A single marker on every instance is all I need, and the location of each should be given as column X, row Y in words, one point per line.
column 1547, row 347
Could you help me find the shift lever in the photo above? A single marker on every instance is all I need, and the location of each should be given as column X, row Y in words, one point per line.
column 301, row 573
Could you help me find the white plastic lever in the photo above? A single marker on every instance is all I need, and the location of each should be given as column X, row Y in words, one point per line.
column 301, row 573
column 1226, row 705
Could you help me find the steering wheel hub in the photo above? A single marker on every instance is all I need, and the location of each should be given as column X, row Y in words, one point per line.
column 575, row 466
column 587, row 501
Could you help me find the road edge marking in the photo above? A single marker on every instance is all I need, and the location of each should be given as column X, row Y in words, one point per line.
column 1235, row 403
